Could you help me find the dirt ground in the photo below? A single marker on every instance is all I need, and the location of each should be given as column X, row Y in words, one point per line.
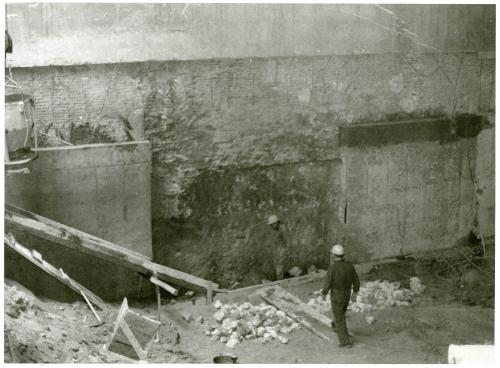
column 455, row 308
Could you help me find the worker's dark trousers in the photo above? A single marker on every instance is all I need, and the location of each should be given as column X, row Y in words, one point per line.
column 340, row 301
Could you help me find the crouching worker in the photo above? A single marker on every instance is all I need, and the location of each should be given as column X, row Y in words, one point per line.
column 281, row 245
column 340, row 280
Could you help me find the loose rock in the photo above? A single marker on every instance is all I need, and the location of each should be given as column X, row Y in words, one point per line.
column 218, row 304
column 12, row 311
column 186, row 316
column 311, row 269
column 232, row 343
column 283, row 340
column 370, row 319
column 295, row 271
column 199, row 319
column 219, row 315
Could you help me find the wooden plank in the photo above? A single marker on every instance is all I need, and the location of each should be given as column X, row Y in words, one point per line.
column 53, row 271
column 297, row 309
column 144, row 328
column 158, row 307
column 133, row 341
column 298, row 319
column 298, row 304
column 209, row 295
column 91, row 307
column 11, row 209
column 133, row 333
column 244, row 291
column 164, row 285
column 122, row 348
column 22, row 220
column 119, row 343
column 7, row 333
column 178, row 277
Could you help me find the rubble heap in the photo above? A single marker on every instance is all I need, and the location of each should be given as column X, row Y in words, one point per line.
column 48, row 332
column 374, row 295
column 238, row 322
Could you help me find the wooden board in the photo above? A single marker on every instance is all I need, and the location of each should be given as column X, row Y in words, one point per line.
column 144, row 328
column 22, row 220
column 133, row 333
column 123, row 348
column 36, row 258
column 299, row 280
column 298, row 310
column 163, row 285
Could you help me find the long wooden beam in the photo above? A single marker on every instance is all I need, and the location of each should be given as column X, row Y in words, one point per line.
column 39, row 226
column 163, row 285
column 292, row 306
column 36, row 258
column 292, row 281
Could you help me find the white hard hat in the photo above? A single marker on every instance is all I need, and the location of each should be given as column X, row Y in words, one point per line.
column 272, row 219
column 337, row 250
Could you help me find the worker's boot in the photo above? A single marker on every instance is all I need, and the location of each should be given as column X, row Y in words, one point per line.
column 345, row 346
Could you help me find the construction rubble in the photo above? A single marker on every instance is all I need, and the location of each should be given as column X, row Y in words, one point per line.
column 39, row 332
column 239, row 322
column 374, row 295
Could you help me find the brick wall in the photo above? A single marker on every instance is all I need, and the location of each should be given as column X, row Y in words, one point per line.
column 272, row 124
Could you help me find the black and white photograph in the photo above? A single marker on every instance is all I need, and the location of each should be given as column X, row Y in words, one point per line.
column 249, row 182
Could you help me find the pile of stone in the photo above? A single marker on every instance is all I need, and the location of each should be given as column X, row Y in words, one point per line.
column 374, row 295
column 239, row 322
column 379, row 295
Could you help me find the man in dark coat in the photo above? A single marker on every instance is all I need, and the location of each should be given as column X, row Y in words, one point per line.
column 340, row 280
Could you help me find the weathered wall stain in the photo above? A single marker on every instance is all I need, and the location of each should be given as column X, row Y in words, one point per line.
column 229, row 209
column 86, row 134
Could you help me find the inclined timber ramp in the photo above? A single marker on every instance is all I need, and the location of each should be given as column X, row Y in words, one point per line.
column 18, row 219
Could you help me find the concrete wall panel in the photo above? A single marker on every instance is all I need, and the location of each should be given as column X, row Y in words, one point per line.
column 485, row 190
column 92, row 189
column 62, row 34
column 424, row 212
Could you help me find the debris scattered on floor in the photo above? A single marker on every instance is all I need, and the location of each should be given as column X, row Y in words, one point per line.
column 39, row 336
column 238, row 322
column 374, row 295
column 46, row 331
column 199, row 319
column 370, row 319
column 186, row 316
